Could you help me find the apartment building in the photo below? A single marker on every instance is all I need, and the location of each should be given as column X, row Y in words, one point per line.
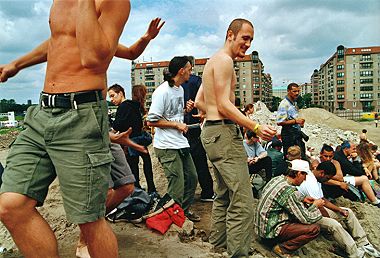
column 252, row 83
column 280, row 92
column 349, row 79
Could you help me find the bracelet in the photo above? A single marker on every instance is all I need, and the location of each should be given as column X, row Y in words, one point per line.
column 256, row 129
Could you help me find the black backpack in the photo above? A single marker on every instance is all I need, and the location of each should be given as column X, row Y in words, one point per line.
column 133, row 207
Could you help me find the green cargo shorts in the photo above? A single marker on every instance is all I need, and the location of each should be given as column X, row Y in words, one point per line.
column 71, row 144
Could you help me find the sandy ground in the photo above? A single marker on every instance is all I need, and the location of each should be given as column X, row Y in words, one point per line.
column 138, row 241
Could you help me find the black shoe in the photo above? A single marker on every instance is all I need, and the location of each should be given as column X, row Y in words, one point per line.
column 160, row 205
column 122, row 216
column 208, row 199
column 192, row 216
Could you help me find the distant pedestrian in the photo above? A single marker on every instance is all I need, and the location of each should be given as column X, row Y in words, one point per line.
column 288, row 118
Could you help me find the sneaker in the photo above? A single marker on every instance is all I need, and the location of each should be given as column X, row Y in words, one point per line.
column 371, row 250
column 361, row 252
column 122, row 216
column 277, row 251
column 208, row 199
column 160, row 205
column 192, row 216
column 154, row 195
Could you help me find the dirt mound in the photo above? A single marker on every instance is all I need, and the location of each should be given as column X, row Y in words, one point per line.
column 322, row 116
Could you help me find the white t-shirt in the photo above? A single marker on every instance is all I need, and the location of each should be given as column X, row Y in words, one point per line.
column 168, row 104
column 311, row 187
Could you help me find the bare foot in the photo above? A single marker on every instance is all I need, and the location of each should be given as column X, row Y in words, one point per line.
column 82, row 251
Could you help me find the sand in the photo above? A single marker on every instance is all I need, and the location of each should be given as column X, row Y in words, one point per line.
column 138, row 241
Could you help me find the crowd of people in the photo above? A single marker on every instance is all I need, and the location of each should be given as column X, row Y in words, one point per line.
column 195, row 119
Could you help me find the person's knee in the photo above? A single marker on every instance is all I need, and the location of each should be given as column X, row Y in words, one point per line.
column 334, row 225
column 14, row 205
column 314, row 230
column 90, row 227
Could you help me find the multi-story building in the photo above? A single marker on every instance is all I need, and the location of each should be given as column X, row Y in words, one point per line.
column 350, row 79
column 306, row 88
column 252, row 83
column 314, row 80
column 280, row 92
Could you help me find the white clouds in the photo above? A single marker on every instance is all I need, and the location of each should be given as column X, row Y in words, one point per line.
column 293, row 37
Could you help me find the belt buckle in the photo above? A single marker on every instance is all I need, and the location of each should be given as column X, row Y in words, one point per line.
column 50, row 100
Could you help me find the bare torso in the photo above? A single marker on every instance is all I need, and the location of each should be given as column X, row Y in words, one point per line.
column 208, row 79
column 65, row 72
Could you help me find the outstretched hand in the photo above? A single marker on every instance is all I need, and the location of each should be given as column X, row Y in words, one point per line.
column 7, row 71
column 123, row 138
column 154, row 28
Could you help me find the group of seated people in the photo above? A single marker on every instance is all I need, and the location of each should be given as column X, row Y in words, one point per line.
column 298, row 198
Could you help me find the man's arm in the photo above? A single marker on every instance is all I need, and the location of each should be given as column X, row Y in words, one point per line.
column 98, row 37
column 36, row 56
column 169, row 124
column 335, row 208
column 139, row 46
column 200, row 100
column 223, row 75
column 295, row 121
column 295, row 206
column 123, row 138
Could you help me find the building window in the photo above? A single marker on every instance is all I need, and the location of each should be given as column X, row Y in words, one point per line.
column 366, row 73
column 149, row 84
column 353, row 66
column 354, row 81
column 366, row 66
column 340, row 67
column 366, row 57
column 340, row 75
column 366, row 88
column 340, row 82
column 366, row 81
column 340, row 89
column 366, row 96
column 354, row 104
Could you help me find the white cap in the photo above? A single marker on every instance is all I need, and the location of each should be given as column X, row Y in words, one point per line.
column 300, row 165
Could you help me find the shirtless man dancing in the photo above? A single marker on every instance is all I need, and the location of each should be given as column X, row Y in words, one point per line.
column 67, row 134
column 232, row 212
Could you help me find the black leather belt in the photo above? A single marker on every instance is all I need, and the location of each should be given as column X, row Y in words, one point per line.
column 69, row 100
column 219, row 122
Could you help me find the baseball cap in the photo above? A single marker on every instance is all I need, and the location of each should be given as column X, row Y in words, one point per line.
column 300, row 165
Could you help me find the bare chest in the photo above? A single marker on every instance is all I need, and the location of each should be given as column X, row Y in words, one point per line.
column 63, row 16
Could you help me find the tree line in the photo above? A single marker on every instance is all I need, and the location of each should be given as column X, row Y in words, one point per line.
column 7, row 105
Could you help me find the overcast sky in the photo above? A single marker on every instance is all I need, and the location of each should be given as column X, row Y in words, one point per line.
column 293, row 37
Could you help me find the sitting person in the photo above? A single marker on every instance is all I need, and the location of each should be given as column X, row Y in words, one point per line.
column 257, row 157
column 279, row 165
column 368, row 162
column 335, row 186
column 282, row 220
column 294, row 152
column 353, row 172
column 354, row 241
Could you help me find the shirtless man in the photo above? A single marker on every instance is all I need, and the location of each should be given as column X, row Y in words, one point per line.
column 232, row 213
column 67, row 134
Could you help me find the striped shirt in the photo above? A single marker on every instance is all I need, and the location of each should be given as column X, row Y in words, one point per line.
column 282, row 204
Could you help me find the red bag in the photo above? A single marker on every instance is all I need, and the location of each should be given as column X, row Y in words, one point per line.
column 177, row 215
column 162, row 221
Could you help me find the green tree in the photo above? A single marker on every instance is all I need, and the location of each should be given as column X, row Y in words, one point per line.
column 275, row 102
column 307, row 99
